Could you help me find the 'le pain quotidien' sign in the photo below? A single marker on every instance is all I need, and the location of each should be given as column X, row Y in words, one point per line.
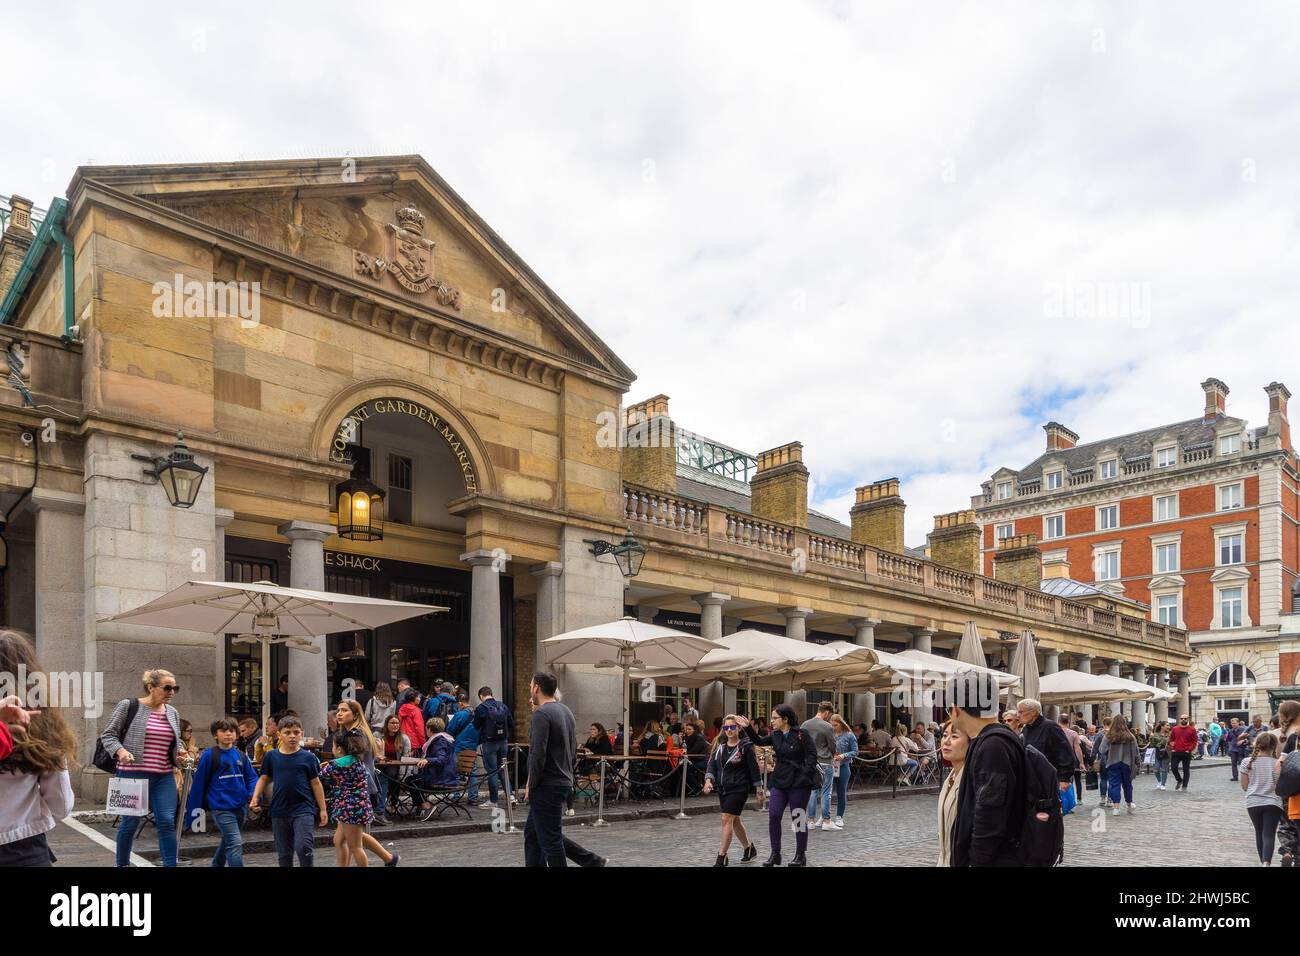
column 347, row 433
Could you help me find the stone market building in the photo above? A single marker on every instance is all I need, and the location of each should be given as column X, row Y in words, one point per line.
column 302, row 322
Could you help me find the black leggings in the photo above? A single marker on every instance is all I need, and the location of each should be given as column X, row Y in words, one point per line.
column 1266, row 820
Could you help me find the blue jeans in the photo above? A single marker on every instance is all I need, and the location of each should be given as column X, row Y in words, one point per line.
column 230, row 851
column 494, row 755
column 1162, row 770
column 1103, row 783
column 163, row 801
column 295, row 834
column 842, row 788
column 823, row 795
column 1121, row 778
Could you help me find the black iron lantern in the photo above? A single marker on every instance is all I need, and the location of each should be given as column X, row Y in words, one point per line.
column 628, row 554
column 178, row 473
column 360, row 510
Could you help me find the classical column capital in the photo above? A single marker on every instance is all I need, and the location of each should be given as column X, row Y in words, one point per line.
column 50, row 499
column 223, row 517
column 305, row 531
column 865, row 621
column 711, row 599
column 924, row 631
column 801, row 613
column 547, row 569
column 496, row 559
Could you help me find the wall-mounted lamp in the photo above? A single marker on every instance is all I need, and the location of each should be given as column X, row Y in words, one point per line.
column 180, row 477
column 628, row 553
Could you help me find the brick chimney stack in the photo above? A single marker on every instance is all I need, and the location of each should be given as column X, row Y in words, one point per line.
column 779, row 489
column 877, row 516
column 1277, row 420
column 955, row 541
column 1059, row 437
column 17, row 238
column 1216, row 400
column 1018, row 560
column 650, row 452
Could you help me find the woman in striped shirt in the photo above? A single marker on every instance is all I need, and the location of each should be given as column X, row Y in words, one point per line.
column 149, row 748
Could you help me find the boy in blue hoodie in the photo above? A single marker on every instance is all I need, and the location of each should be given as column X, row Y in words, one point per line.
column 223, row 785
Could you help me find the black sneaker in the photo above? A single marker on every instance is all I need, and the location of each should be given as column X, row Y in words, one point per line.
column 722, row 860
column 394, row 860
column 751, row 853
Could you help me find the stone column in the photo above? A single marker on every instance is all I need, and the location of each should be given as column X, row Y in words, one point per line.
column 308, row 675
column 1184, row 695
column 1051, row 665
column 796, row 628
column 864, row 635
column 1161, row 680
column 1084, row 666
column 921, row 639
column 548, row 606
column 59, row 603
column 711, row 702
column 221, row 517
column 485, row 648
column 1140, row 707
column 645, row 613
column 1113, row 671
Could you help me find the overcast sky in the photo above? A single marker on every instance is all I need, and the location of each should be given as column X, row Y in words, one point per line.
column 906, row 235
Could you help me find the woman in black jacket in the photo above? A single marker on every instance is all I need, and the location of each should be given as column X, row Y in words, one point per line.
column 732, row 773
column 793, row 779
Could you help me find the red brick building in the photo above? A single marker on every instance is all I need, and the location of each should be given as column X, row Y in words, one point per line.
column 1196, row 519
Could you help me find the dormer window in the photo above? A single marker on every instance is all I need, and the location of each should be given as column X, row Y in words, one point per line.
column 1166, row 457
column 1004, row 490
column 1230, row 444
column 1051, row 480
column 1109, row 468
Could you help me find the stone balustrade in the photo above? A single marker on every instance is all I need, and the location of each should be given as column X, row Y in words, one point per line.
column 714, row 528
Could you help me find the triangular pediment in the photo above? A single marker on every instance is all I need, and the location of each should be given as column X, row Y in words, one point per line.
column 390, row 226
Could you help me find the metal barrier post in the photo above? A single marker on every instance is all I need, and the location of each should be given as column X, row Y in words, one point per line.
column 600, row 803
column 510, row 799
column 684, row 763
column 893, row 771
column 762, row 796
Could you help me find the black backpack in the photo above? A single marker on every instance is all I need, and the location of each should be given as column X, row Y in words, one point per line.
column 495, row 721
column 104, row 760
column 1042, row 832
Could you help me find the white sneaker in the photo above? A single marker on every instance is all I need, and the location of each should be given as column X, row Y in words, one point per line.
column 839, row 823
column 1132, row 807
column 570, row 812
column 1115, row 812
column 485, row 804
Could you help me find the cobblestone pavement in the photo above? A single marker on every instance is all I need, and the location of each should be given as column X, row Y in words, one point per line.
column 1204, row 826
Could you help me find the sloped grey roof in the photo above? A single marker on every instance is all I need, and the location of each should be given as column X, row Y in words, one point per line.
column 712, row 492
column 1072, row 589
column 1194, row 433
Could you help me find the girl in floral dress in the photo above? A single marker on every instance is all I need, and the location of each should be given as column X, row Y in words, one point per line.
column 347, row 796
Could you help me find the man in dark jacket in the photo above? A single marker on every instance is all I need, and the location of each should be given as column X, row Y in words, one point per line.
column 1048, row 738
column 990, row 800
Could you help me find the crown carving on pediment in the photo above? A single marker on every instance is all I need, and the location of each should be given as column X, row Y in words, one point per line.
column 411, row 219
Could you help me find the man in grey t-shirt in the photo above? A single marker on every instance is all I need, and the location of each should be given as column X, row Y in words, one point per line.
column 552, row 748
column 823, row 735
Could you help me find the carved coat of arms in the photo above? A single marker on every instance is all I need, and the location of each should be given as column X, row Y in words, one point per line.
column 411, row 259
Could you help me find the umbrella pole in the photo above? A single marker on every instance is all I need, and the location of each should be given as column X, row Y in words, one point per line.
column 627, row 728
column 266, row 683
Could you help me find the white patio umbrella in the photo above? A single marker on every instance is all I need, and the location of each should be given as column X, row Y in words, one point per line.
column 971, row 650
column 627, row 643
column 1024, row 665
column 266, row 613
column 1077, row 687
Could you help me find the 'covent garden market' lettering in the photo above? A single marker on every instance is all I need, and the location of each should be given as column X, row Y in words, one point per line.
column 347, row 433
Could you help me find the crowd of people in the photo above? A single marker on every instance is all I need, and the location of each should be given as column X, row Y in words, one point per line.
column 374, row 744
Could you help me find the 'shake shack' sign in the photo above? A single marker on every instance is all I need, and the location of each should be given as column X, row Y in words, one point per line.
column 348, row 432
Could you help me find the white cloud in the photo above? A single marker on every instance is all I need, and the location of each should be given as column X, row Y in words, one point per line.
column 918, row 179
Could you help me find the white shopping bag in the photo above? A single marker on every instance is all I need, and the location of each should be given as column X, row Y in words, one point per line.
column 1149, row 757
column 128, row 796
